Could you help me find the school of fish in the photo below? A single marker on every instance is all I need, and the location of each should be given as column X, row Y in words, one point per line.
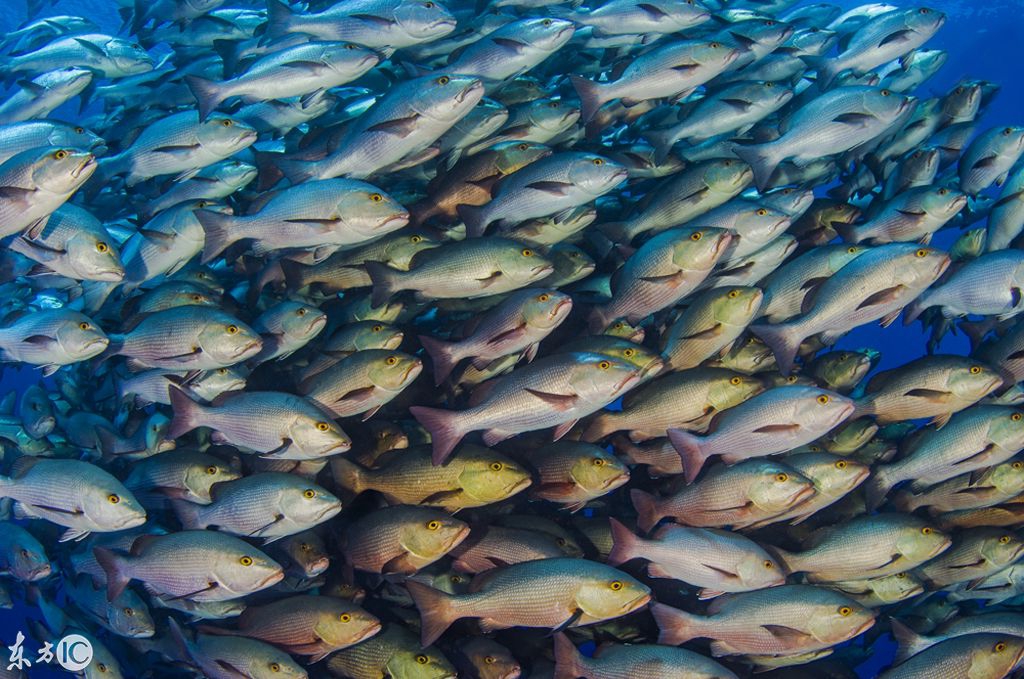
column 415, row 339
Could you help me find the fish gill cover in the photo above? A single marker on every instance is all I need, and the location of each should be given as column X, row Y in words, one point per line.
column 419, row 339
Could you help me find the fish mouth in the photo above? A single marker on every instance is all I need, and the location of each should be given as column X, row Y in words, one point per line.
column 615, row 481
column 629, row 380
column 97, row 341
column 723, row 242
column 638, row 602
column 805, row 493
column 254, row 346
column 958, row 204
column 653, row 368
column 567, row 302
column 519, row 485
column 416, row 365
column 272, row 579
column 395, row 222
column 327, row 509
column 316, row 324
column 542, row 270
column 317, row 567
column 473, row 87
column 88, row 164
column 369, row 632
column 132, row 522
column 337, row 448
column 39, row 572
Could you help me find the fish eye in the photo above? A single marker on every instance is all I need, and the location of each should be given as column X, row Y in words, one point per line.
column 1016, row 417
column 921, row 253
column 113, row 498
column 211, row 470
column 197, row 298
column 901, row 576
column 840, row 464
column 245, row 561
column 1000, row 647
column 1006, row 133
column 322, row 426
column 433, row 525
column 345, row 617
column 553, row 104
column 544, row 297
column 233, row 329
column 696, row 236
column 376, row 197
column 457, row 579
column 943, row 191
column 416, row 239
column 735, row 381
column 130, row 612
column 227, row 122
column 422, row 659
column 84, row 326
column 309, row 493
column 443, row 80
column 604, row 365
column 546, row 22
column 102, row 667
column 924, row 10
column 391, row 360
column 823, row 399
column 762, row 212
column 926, row 530
column 60, row 155
column 885, row 93
column 616, row 585
column 275, row 667
column 135, row 46
column 768, row 564
column 351, row 46
column 782, row 477
column 845, row 611
column 975, row 369
column 598, row 161
column 429, row 5
column 769, row 84
column 629, row 353
column 527, row 252
column 1018, row 465
column 222, row 371
column 490, row 660
column 1004, row 540
column 769, row 23
column 733, row 294
column 301, row 311
column 714, row 45
column 497, row 466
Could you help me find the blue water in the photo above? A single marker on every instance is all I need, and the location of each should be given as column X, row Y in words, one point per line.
column 983, row 40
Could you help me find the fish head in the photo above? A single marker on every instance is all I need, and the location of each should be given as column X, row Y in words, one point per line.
column 757, row 570
column 129, row 57
column 59, row 170
column 24, row 557
column 761, row 223
column 974, row 381
column 834, row 619
column 545, row 309
column 129, row 616
column 424, row 20
column 80, row 337
column 919, row 541
column 94, row 257
column 410, row 662
column 727, row 175
column 394, row 370
column 349, row 59
column 432, row 534
column 444, row 99
column 925, row 20
column 213, row 383
column 600, row 378
column 835, row 477
column 547, row 33
column 1001, row 547
column 570, row 263
column 404, row 246
column 776, row 487
column 611, row 594
column 368, row 210
column 729, row 389
column 318, row 435
column 597, row 471
column 699, row 249
column 822, row 408
column 592, row 174
column 552, row 115
column 344, row 624
column 842, row 369
column 511, row 156
column 75, row 136
column 736, row 306
column 493, row 477
column 1007, row 477
column 523, row 264
column 245, row 569
column 70, row 80
column 113, row 507
column 200, row 477
column 377, row 335
column 224, row 135
column 156, row 426
column 299, row 321
column 996, row 655
column 235, row 173
column 943, row 202
column 490, row 660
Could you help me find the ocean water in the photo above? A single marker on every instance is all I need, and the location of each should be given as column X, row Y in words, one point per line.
column 983, row 39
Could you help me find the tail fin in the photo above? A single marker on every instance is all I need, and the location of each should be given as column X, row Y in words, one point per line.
column 782, row 342
column 915, row 309
column 208, row 94
column 294, row 273
column 647, row 507
column 385, row 282
column 847, row 231
column 909, row 643
column 691, row 452
column 114, row 567
column 297, row 170
column 827, row 70
column 877, row 487
column 474, row 219
column 444, row 434
column 662, row 141
column 569, row 663
column 602, row 425
column 186, row 413
column 279, row 17
column 436, row 613
column 675, row 626
column 760, row 159
column 792, row 563
column 906, row 501
column 623, row 543
column 591, row 97
column 268, row 167
column 442, row 354
column 598, row 320
column 189, row 514
column 348, row 474
column 219, row 234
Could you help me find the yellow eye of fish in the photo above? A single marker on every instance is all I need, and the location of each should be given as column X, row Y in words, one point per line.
column 599, row 462
column 197, row 298
column 345, row 617
column 232, row 329
column 546, row 22
column 79, row 130
column 376, row 197
column 102, row 247
column 392, row 360
column 227, row 122
column 943, row 192
column 975, row 369
column 616, row 585
column 791, row 379
column 377, row 328
column 457, row 579
column 926, row 530
column 921, row 253
column 527, row 252
column 275, row 667
column 901, row 576
column 735, row 381
column 1005, row 540
column 497, row 466
column 305, row 547
column 222, row 371
column 696, row 236
column 245, row 561
column 416, row 239
column 885, row 93
column 851, row 250
column 309, row 493
column 443, row 80
column 490, row 660
column 714, row 45
column 1000, row 647
column 733, row 294
column 1018, row 465
column 211, row 470
column 598, row 161
column 322, row 426
column 301, row 311
column 102, row 667
column 433, row 525
column 84, row 326
column 629, row 353
column 845, row 611
column 422, row 659
column 762, row 212
column 604, row 365
column 840, row 464
column 924, row 10
column 782, row 477
column 1016, row 417
column 113, row 499
column 768, row 564
column 130, row 612
column 543, row 298
column 1007, row 132
column 523, row 147
column 60, row 155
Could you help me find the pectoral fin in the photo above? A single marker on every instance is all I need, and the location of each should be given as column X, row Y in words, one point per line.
column 400, row 127
column 557, row 401
column 881, row 297
column 554, row 188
